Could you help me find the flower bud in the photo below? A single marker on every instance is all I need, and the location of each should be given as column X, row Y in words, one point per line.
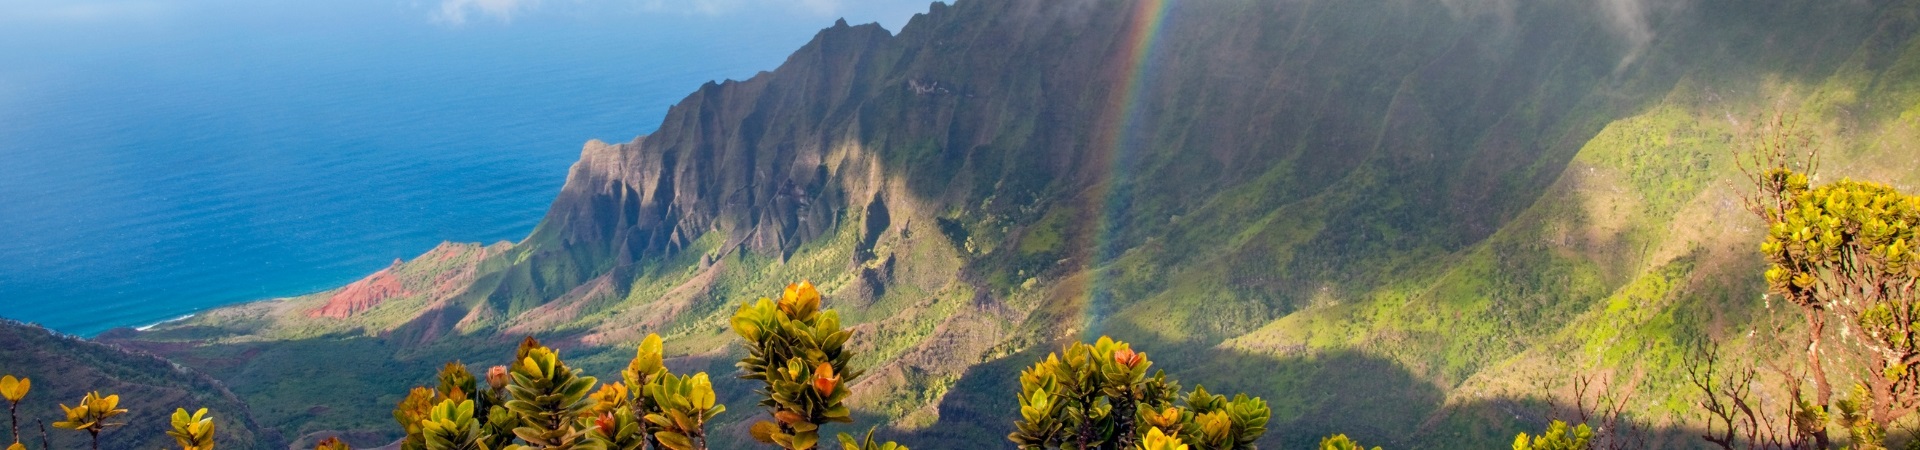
column 606, row 424
column 824, row 379
column 497, row 377
column 14, row 388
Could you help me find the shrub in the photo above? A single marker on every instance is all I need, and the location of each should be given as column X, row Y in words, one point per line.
column 798, row 352
column 1096, row 395
column 92, row 415
column 548, row 397
column 192, row 432
column 331, row 443
column 1559, row 436
column 451, row 426
column 1341, row 442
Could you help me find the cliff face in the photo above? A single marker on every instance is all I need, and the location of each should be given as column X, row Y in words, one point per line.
column 1013, row 110
column 1383, row 216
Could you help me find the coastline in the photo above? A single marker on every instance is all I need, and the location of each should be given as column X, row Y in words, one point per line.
column 164, row 322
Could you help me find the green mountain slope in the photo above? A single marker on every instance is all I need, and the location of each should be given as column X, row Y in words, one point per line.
column 1405, row 221
column 64, row 368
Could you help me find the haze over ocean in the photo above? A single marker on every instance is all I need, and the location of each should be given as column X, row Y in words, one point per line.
column 161, row 158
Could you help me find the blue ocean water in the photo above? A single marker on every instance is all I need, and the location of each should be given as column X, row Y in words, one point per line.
column 161, row 158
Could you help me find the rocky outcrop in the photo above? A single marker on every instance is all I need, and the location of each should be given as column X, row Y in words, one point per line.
column 743, row 157
column 438, row 275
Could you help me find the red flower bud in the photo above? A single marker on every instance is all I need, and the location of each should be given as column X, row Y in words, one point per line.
column 606, row 424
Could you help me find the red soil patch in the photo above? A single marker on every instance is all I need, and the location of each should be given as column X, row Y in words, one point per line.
column 361, row 295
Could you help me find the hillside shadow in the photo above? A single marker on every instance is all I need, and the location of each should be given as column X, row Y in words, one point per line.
column 1371, row 399
column 1312, row 396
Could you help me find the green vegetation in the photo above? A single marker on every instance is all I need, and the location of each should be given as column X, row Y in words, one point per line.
column 1098, row 396
column 798, row 352
column 1341, row 442
column 1559, row 436
column 548, row 397
column 1840, row 253
column 1414, row 247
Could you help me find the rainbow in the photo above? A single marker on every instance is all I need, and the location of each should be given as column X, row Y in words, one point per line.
column 1117, row 147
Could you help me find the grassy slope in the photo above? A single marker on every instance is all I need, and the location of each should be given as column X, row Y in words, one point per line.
column 1638, row 250
column 63, row 369
column 1413, row 247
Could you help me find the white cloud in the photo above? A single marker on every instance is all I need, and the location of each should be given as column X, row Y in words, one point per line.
column 456, row 12
column 1633, row 22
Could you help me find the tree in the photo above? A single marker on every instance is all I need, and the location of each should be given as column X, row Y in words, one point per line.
column 1734, row 419
column 1844, row 252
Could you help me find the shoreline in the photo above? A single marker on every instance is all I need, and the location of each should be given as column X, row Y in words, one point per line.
column 164, row 322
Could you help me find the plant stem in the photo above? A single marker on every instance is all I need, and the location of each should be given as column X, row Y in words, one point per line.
column 96, row 438
column 642, row 406
column 1123, row 411
column 1085, row 434
column 1823, row 392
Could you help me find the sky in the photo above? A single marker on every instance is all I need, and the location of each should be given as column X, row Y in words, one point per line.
column 451, row 12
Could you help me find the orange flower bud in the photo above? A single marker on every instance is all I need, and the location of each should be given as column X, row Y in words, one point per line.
column 800, row 300
column 497, row 377
column 1127, row 357
column 824, row 380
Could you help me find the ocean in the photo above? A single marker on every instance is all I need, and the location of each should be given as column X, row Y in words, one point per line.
column 162, row 158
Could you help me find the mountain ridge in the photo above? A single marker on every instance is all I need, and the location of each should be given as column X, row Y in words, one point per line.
column 1403, row 199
